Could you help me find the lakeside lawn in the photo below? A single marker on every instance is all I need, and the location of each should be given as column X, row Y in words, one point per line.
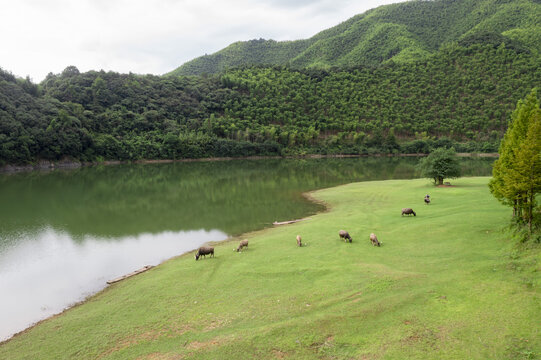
column 446, row 284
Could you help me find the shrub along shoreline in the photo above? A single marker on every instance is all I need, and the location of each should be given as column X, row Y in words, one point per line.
column 45, row 165
column 445, row 284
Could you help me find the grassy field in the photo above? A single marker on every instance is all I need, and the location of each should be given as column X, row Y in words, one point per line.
column 446, row 284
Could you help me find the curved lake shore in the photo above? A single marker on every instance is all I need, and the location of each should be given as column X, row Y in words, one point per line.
column 428, row 277
column 100, row 218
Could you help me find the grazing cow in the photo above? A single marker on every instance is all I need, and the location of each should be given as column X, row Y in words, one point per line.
column 203, row 251
column 345, row 235
column 242, row 244
column 408, row 211
column 374, row 239
column 299, row 240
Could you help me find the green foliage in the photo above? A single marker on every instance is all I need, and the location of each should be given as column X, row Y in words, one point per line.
column 405, row 32
column 439, row 165
column 241, row 53
column 529, row 37
column 460, row 93
column 517, row 173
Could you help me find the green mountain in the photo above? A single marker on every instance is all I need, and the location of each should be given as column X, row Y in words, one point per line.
column 403, row 33
column 401, row 78
column 461, row 96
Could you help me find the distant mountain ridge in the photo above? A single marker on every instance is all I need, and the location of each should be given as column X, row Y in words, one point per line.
column 402, row 32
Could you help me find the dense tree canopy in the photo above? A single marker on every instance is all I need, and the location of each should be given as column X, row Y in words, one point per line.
column 439, row 165
column 460, row 93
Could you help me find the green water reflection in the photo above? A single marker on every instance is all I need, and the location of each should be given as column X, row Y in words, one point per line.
column 232, row 196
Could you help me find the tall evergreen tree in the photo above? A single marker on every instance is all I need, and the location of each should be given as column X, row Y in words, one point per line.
column 517, row 172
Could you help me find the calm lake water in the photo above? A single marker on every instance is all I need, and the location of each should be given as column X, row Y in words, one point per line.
column 63, row 234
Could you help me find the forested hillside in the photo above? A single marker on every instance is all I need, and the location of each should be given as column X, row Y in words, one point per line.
column 400, row 78
column 461, row 96
column 404, row 32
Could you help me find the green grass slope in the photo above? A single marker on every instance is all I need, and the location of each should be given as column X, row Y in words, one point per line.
column 401, row 32
column 445, row 284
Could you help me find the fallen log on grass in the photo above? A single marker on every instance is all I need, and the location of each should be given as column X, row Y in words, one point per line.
column 288, row 222
column 143, row 269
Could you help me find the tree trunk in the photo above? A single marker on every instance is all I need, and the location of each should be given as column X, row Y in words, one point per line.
column 440, row 181
column 530, row 212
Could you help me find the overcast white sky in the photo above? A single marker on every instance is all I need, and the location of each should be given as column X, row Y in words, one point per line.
column 152, row 36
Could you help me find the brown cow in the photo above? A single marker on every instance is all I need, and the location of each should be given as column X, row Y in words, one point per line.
column 374, row 239
column 408, row 211
column 203, row 251
column 345, row 235
column 243, row 243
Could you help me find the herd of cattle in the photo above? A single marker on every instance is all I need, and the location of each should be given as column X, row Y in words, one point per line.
column 343, row 234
